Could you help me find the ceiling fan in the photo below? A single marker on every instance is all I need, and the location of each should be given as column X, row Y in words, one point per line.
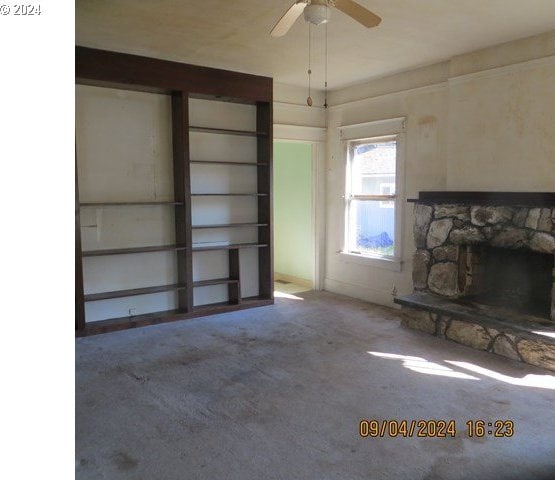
column 318, row 12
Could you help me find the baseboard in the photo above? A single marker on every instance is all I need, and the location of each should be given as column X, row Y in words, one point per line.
column 303, row 282
column 380, row 297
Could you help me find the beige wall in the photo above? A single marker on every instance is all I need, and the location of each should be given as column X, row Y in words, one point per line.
column 290, row 107
column 481, row 121
column 502, row 130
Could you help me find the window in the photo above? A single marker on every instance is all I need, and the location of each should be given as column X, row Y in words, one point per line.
column 371, row 197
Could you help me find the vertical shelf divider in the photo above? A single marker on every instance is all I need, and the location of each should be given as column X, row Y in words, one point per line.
column 264, row 123
column 79, row 290
column 182, row 193
column 234, row 289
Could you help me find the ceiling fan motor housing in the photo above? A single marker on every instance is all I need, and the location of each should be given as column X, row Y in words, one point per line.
column 317, row 12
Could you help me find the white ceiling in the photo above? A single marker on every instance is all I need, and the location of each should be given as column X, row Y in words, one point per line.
column 234, row 34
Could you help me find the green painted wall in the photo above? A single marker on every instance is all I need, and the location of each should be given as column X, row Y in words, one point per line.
column 293, row 239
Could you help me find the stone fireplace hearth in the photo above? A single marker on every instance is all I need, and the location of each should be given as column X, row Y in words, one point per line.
column 483, row 272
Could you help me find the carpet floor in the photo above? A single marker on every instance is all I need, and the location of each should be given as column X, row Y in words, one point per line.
column 278, row 393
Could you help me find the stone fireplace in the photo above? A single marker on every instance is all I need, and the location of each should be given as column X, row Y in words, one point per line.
column 483, row 272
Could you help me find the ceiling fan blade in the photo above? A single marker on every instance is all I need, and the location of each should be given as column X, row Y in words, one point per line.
column 358, row 13
column 288, row 19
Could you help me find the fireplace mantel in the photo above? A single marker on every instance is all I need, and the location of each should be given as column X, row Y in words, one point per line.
column 525, row 199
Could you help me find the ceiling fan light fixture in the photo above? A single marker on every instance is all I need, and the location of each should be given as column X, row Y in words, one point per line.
column 317, row 13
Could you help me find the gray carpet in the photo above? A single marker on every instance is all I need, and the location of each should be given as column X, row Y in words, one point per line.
column 277, row 393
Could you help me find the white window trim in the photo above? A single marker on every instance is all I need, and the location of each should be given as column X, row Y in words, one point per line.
column 392, row 128
column 379, row 128
column 393, row 264
column 386, row 204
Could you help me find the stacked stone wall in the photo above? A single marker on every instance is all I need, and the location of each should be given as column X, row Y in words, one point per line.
column 502, row 341
column 445, row 260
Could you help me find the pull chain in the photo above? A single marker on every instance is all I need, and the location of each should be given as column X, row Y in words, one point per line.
column 309, row 98
column 326, row 69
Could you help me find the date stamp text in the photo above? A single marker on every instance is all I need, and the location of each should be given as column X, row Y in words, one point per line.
column 435, row 428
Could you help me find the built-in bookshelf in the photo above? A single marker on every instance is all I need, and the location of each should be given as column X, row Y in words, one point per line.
column 235, row 240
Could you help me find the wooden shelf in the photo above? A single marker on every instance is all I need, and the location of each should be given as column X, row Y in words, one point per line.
column 206, row 248
column 229, row 225
column 229, row 194
column 215, row 281
column 247, row 302
column 226, row 131
column 221, row 162
column 123, row 323
column 126, row 251
column 126, row 204
column 93, row 297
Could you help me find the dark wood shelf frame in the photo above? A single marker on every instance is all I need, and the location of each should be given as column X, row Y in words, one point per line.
column 232, row 246
column 127, row 251
column 222, row 162
column 228, row 225
column 264, row 148
column 215, row 281
column 182, row 193
column 226, row 131
column 101, row 68
column 94, row 297
column 155, row 318
column 229, row 194
column 221, row 307
column 126, row 204
column 79, row 289
column 234, row 289
column 181, row 82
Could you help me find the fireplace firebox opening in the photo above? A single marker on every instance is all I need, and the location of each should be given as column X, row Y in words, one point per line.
column 516, row 279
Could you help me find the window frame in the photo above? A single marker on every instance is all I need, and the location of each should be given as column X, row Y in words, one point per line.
column 392, row 129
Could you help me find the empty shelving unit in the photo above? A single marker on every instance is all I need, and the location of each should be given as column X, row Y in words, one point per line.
column 173, row 210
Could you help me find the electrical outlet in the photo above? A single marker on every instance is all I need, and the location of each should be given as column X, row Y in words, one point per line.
column 132, row 311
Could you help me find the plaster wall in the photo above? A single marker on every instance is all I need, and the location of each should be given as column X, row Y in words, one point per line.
column 481, row 121
column 501, row 133
column 290, row 107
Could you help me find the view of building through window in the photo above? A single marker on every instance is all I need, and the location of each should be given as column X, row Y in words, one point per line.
column 371, row 197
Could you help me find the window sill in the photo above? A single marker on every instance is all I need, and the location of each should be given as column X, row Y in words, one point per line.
column 393, row 264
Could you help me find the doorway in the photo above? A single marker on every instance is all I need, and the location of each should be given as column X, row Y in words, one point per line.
column 293, row 217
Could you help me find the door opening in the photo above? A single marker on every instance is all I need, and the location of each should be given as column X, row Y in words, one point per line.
column 293, row 217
